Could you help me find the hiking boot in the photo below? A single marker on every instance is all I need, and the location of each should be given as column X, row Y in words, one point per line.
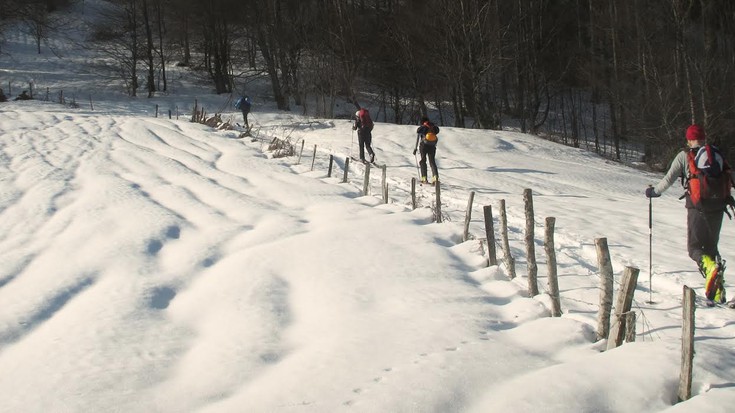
column 720, row 295
column 423, row 180
column 372, row 157
column 711, row 271
column 434, row 179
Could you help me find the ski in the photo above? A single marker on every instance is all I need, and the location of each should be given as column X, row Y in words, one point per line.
column 712, row 303
column 365, row 162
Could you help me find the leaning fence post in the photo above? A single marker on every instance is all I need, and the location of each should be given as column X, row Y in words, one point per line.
column 606, row 288
column 301, row 152
column 622, row 306
column 687, row 345
column 487, row 212
column 551, row 267
column 530, row 247
column 366, row 182
column 331, row 162
column 630, row 326
column 468, row 217
column 506, row 244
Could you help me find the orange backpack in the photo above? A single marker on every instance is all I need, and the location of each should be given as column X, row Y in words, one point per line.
column 709, row 180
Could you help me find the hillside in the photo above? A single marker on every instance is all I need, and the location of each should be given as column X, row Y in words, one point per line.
column 153, row 264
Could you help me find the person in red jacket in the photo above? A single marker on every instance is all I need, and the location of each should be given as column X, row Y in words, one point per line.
column 426, row 141
column 364, row 126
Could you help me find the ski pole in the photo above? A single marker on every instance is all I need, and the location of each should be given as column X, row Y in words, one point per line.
column 352, row 144
column 650, row 251
column 418, row 170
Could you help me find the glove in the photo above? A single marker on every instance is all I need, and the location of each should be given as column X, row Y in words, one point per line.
column 650, row 193
column 414, row 152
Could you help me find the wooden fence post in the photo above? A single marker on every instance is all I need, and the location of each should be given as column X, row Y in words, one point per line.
column 468, row 217
column 622, row 306
column 331, row 162
column 506, row 244
column 366, row 182
column 385, row 184
column 487, row 212
column 530, row 247
column 300, row 153
column 156, row 109
column 438, row 209
column 194, row 111
column 347, row 168
column 413, row 193
column 551, row 265
column 687, row 345
column 606, row 288
column 313, row 158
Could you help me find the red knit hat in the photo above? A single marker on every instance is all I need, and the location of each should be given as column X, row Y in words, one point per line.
column 695, row 133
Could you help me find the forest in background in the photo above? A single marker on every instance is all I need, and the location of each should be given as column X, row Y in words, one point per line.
column 599, row 73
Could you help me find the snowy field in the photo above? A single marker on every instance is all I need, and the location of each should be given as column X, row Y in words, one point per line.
column 156, row 265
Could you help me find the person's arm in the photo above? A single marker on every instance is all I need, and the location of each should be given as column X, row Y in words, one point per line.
column 677, row 169
column 419, row 130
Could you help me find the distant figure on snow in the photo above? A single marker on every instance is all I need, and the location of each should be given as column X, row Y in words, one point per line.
column 364, row 126
column 23, row 96
column 3, row 98
column 426, row 141
column 243, row 104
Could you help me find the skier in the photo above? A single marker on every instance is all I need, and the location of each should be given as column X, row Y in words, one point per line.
column 426, row 141
column 364, row 126
column 23, row 96
column 704, row 216
column 243, row 104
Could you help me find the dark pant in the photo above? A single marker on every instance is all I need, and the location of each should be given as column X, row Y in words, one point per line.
column 245, row 117
column 703, row 233
column 430, row 152
column 365, row 140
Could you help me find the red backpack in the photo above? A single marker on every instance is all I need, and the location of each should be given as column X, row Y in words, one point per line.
column 710, row 178
column 364, row 116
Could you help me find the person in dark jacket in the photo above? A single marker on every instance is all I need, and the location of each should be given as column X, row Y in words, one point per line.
column 426, row 140
column 244, row 105
column 23, row 96
column 703, row 223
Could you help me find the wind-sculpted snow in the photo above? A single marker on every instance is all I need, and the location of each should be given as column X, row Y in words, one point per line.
column 153, row 265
